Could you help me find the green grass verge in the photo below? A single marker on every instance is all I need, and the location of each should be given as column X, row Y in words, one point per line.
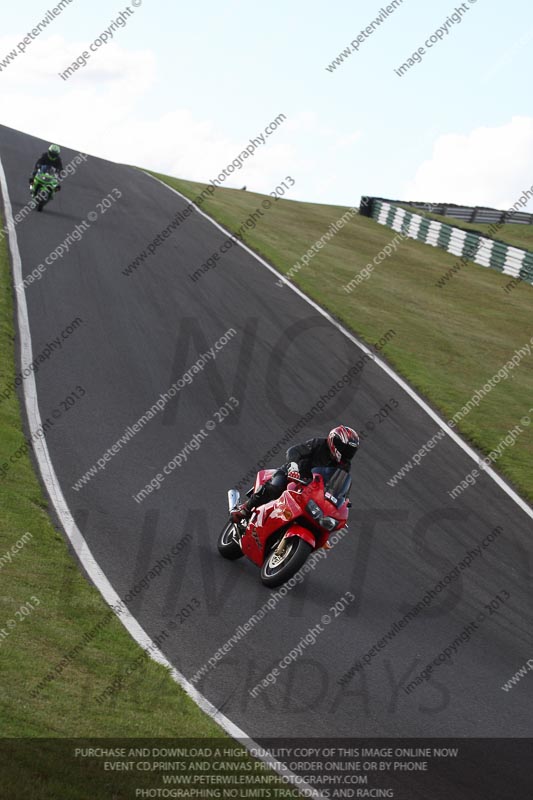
column 516, row 235
column 150, row 704
column 448, row 341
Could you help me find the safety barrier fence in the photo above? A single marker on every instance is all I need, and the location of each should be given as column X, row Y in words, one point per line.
column 467, row 245
column 480, row 214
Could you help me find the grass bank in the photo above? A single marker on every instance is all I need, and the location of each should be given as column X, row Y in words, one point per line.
column 448, row 341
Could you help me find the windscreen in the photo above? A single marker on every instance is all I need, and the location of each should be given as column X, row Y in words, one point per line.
column 337, row 483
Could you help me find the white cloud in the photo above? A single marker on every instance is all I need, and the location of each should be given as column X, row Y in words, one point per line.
column 78, row 112
column 179, row 144
column 488, row 166
column 115, row 107
column 107, row 108
column 45, row 58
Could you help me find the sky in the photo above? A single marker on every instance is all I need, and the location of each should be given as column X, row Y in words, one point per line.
column 182, row 88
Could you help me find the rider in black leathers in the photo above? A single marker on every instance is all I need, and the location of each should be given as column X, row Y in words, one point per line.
column 50, row 158
column 336, row 451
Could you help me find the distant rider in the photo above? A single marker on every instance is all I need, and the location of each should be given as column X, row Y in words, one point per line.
column 50, row 158
column 336, row 451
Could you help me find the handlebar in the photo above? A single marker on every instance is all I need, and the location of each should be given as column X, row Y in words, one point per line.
column 303, row 481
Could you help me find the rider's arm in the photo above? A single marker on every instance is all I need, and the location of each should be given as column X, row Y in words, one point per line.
column 303, row 454
column 36, row 168
column 303, row 450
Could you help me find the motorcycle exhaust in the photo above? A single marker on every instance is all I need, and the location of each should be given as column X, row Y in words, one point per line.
column 233, row 498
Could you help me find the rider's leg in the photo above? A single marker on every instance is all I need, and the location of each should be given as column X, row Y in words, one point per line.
column 270, row 490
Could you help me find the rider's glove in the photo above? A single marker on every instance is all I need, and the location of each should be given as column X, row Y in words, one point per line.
column 293, row 472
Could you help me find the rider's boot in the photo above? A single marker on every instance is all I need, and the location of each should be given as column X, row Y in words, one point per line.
column 242, row 512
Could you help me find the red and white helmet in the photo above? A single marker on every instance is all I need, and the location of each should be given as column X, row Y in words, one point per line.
column 343, row 443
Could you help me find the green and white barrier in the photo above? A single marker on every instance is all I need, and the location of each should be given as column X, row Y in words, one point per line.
column 465, row 244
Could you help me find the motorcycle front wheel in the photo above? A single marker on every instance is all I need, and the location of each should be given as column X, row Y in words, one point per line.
column 44, row 199
column 227, row 546
column 277, row 569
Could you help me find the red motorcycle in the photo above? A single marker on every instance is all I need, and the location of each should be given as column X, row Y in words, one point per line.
column 281, row 534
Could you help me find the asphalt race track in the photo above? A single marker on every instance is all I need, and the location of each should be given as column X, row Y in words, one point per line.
column 139, row 334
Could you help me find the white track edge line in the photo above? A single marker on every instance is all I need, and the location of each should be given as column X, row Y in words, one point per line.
column 384, row 366
column 76, row 537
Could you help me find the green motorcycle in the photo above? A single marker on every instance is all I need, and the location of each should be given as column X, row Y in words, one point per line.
column 45, row 185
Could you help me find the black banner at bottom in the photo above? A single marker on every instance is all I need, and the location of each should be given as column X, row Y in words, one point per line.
column 404, row 769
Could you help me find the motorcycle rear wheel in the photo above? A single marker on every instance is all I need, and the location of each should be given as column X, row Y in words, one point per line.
column 278, row 569
column 227, row 546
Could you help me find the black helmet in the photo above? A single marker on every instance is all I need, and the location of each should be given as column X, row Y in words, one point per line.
column 343, row 443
